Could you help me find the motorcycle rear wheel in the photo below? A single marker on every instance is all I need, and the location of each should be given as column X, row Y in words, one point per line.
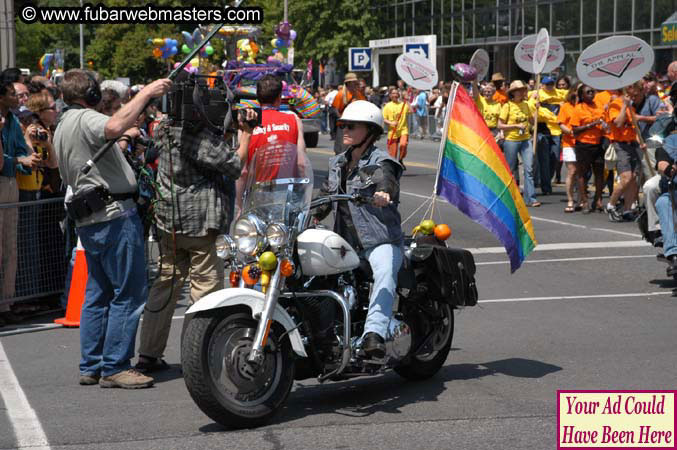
column 224, row 386
column 422, row 367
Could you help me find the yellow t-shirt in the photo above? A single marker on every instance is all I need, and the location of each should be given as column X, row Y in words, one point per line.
column 555, row 97
column 391, row 111
column 513, row 113
column 490, row 110
column 33, row 181
column 547, row 117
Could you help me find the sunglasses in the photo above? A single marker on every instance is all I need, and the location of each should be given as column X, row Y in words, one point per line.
column 350, row 126
column 52, row 108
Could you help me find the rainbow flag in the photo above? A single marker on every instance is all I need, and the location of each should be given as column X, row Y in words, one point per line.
column 475, row 177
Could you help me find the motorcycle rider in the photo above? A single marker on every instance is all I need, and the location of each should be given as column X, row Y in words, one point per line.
column 374, row 229
column 666, row 163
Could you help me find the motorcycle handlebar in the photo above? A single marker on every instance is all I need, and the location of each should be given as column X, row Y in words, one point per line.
column 357, row 198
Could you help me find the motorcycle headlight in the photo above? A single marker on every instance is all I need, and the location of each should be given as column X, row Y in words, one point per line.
column 225, row 247
column 248, row 235
column 276, row 234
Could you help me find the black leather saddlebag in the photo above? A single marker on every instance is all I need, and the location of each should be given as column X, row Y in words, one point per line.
column 450, row 273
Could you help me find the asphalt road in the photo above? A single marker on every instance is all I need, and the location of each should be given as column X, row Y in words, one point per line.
column 590, row 309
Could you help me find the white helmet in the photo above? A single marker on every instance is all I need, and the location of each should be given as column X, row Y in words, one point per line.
column 363, row 112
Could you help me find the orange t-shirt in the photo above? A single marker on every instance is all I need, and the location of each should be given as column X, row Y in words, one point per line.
column 340, row 105
column 583, row 115
column 626, row 133
column 602, row 100
column 566, row 112
column 500, row 97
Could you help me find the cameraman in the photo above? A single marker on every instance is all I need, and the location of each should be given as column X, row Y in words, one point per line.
column 193, row 208
column 108, row 226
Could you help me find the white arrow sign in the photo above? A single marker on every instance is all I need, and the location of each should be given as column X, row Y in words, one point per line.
column 360, row 59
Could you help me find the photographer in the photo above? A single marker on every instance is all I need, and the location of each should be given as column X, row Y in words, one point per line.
column 196, row 171
column 108, row 226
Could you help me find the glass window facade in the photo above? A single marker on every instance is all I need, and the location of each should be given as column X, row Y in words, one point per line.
column 460, row 23
column 464, row 25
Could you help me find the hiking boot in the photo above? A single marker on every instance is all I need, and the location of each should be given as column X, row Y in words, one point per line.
column 89, row 380
column 127, row 379
column 374, row 346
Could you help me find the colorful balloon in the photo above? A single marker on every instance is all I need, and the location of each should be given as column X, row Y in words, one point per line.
column 157, row 52
column 292, row 35
column 282, row 30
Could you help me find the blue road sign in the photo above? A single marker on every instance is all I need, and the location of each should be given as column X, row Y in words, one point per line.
column 359, row 58
column 419, row 49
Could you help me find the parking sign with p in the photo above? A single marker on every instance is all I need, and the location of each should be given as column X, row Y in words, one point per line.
column 359, row 59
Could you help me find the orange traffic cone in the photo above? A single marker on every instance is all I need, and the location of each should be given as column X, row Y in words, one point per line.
column 76, row 295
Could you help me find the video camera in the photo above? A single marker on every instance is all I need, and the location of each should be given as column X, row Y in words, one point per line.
column 195, row 104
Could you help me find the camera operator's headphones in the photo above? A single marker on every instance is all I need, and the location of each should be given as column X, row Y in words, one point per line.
column 93, row 92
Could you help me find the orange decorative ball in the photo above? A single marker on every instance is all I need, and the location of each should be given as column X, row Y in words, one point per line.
column 251, row 274
column 442, row 232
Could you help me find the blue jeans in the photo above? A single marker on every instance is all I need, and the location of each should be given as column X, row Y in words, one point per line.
column 385, row 261
column 548, row 156
column 523, row 148
column 665, row 217
column 115, row 296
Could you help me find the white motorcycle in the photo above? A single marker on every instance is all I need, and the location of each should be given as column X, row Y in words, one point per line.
column 300, row 298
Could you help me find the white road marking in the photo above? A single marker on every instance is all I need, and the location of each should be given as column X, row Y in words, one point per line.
column 574, row 297
column 591, row 258
column 427, row 197
column 542, row 219
column 27, row 428
column 637, row 235
column 567, row 246
column 558, row 222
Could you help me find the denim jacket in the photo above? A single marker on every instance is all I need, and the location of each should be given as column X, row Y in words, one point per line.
column 374, row 226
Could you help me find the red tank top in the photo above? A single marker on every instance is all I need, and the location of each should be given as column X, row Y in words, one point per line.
column 276, row 131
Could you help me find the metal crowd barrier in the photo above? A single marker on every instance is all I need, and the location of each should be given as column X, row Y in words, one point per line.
column 431, row 123
column 34, row 260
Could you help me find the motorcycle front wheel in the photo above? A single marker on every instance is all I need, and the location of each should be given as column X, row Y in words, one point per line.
column 222, row 383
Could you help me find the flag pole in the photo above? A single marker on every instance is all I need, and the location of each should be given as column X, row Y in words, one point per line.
column 443, row 140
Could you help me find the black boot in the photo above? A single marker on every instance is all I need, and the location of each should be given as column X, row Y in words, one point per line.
column 672, row 267
column 374, row 346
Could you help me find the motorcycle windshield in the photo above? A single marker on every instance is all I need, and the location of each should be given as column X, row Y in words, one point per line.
column 279, row 184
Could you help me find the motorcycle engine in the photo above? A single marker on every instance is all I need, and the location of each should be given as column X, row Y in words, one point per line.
column 398, row 339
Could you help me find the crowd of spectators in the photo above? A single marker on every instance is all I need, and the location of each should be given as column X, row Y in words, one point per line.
column 34, row 235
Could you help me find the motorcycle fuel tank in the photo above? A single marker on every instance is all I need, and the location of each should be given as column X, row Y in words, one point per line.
column 323, row 252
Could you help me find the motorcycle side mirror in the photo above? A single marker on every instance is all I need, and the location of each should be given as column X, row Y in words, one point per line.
column 371, row 174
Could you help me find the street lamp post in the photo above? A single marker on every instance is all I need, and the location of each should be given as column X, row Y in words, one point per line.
column 82, row 44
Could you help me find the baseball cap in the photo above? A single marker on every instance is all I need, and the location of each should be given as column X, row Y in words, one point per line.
column 548, row 80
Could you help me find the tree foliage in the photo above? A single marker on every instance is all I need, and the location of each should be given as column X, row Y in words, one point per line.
column 325, row 29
